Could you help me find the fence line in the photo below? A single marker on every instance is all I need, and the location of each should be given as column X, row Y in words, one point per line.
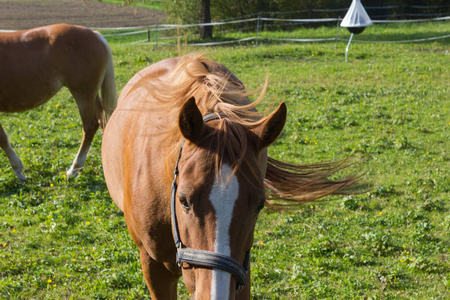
column 402, row 41
column 237, row 21
column 322, row 20
column 304, row 40
column 157, row 29
column 413, row 20
column 321, row 10
column 255, row 37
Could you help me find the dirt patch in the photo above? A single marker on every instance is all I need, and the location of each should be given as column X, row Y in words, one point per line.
column 24, row 14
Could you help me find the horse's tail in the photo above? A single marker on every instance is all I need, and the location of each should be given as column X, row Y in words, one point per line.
column 291, row 185
column 108, row 88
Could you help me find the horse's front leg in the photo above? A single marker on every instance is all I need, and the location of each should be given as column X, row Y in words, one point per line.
column 160, row 281
column 14, row 160
column 90, row 123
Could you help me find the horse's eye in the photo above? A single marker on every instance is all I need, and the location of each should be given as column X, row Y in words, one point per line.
column 184, row 203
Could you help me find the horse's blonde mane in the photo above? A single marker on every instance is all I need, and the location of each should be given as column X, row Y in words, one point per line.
column 217, row 90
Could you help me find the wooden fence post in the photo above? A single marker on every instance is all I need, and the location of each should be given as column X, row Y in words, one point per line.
column 257, row 31
column 156, row 36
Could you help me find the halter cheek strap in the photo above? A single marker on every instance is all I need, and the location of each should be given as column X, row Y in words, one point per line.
column 203, row 258
column 214, row 116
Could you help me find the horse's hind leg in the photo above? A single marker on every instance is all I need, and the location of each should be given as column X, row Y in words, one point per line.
column 14, row 160
column 161, row 282
column 89, row 119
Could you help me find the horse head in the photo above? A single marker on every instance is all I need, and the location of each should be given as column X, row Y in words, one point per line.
column 219, row 192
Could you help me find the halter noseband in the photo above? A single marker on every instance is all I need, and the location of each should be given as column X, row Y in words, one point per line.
column 203, row 258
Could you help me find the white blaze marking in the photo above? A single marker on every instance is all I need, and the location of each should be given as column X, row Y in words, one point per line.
column 223, row 197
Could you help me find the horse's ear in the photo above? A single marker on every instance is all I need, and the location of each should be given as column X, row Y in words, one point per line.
column 271, row 127
column 190, row 121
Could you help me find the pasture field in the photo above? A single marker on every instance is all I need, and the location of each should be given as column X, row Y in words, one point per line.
column 25, row 14
column 149, row 4
column 63, row 238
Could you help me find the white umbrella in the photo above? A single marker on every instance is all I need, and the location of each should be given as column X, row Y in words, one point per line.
column 356, row 17
column 356, row 20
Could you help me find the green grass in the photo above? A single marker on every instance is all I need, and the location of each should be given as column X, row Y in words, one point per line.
column 149, row 4
column 63, row 238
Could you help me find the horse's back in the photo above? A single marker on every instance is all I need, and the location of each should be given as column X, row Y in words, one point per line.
column 153, row 72
column 37, row 62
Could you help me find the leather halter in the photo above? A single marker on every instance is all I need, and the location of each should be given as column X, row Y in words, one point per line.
column 203, row 258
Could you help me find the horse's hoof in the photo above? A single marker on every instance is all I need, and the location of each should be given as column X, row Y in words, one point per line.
column 20, row 176
column 72, row 172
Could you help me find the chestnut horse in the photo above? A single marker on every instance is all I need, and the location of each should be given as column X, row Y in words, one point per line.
column 36, row 63
column 185, row 159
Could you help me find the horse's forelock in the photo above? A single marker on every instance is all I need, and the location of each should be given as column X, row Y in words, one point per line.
column 216, row 90
column 214, row 87
column 229, row 143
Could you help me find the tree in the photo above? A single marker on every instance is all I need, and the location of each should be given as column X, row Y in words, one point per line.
column 206, row 32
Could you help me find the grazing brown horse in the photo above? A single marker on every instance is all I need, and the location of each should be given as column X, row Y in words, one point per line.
column 185, row 159
column 36, row 63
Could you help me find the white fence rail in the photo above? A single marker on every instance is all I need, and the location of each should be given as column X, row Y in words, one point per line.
column 169, row 34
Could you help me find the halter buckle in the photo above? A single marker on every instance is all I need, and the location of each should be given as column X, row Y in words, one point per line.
column 179, row 258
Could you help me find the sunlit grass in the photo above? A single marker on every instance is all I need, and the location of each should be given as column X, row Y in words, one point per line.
column 64, row 238
column 150, row 4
